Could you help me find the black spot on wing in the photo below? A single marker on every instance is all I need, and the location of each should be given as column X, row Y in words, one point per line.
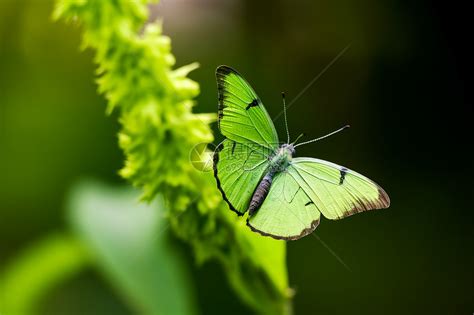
column 343, row 172
column 253, row 104
column 308, row 203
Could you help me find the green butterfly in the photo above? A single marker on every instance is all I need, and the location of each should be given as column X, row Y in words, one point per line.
column 284, row 196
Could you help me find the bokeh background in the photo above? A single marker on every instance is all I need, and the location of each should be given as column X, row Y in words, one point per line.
column 401, row 85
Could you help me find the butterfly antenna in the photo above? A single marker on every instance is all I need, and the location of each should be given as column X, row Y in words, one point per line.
column 298, row 138
column 286, row 121
column 323, row 137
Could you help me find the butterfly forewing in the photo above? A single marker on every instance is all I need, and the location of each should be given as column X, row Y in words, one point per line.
column 250, row 139
column 242, row 116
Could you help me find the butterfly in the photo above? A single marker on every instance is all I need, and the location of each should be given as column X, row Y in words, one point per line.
column 284, row 195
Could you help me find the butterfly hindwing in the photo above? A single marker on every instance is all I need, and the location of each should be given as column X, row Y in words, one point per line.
column 337, row 191
column 238, row 169
column 287, row 212
column 242, row 116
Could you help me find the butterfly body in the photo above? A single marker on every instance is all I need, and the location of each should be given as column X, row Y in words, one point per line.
column 283, row 195
column 278, row 162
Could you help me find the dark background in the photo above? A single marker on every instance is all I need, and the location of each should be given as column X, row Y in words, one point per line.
column 402, row 85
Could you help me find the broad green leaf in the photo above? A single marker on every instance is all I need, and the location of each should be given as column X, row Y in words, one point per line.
column 40, row 268
column 271, row 255
column 132, row 247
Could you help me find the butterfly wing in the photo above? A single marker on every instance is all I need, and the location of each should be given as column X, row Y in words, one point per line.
column 242, row 160
column 287, row 212
column 337, row 191
column 309, row 187
column 238, row 169
column 242, row 116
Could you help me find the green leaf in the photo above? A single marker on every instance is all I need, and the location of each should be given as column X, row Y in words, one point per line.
column 132, row 247
column 40, row 268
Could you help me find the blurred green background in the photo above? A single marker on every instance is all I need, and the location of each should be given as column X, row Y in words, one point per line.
column 401, row 85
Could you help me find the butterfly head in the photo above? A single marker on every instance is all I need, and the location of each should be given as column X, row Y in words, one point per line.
column 282, row 157
column 288, row 148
